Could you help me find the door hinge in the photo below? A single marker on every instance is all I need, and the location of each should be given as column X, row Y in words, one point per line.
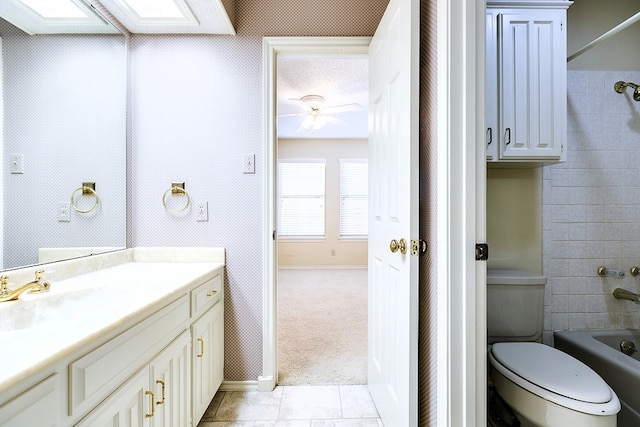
column 418, row 247
column 482, row 251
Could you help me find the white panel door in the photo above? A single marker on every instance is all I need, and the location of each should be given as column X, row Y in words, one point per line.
column 393, row 214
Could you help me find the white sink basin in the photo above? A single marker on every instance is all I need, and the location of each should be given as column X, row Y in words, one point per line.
column 45, row 309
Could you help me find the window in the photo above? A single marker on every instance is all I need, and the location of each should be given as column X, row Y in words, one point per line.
column 354, row 187
column 301, row 192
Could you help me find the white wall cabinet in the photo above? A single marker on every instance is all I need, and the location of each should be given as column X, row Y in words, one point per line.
column 526, row 89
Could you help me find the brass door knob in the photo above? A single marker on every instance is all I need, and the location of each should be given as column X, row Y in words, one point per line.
column 403, row 246
column 398, row 245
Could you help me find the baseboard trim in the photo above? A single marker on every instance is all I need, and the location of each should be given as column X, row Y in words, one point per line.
column 239, row 386
column 266, row 383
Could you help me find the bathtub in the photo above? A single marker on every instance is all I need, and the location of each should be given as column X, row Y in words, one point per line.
column 600, row 350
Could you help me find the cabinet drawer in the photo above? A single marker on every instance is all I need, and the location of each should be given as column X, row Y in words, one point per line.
column 206, row 295
column 38, row 406
column 95, row 375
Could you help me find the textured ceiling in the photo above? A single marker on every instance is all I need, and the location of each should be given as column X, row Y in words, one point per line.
column 340, row 79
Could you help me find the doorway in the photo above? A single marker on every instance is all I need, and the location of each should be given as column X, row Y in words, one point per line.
column 272, row 48
column 322, row 187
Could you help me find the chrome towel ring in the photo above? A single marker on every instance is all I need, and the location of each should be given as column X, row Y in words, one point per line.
column 177, row 189
column 87, row 189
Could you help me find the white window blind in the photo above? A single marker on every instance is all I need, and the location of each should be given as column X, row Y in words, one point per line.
column 301, row 194
column 354, row 191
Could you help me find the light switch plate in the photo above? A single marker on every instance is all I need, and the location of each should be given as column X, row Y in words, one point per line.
column 249, row 163
column 17, row 163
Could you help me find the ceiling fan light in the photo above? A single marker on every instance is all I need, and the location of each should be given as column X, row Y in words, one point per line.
column 313, row 122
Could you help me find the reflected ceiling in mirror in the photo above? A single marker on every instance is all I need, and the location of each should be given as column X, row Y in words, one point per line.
column 63, row 125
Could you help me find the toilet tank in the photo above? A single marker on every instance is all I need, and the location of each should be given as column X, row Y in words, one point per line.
column 515, row 303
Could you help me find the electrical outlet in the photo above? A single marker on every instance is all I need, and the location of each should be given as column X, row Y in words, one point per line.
column 202, row 210
column 249, row 163
column 64, row 212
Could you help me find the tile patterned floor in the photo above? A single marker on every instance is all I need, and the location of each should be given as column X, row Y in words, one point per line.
column 294, row 406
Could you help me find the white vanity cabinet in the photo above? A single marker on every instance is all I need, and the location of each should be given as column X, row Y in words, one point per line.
column 125, row 407
column 147, row 352
column 208, row 345
column 157, row 395
column 526, row 89
column 38, row 406
column 170, row 382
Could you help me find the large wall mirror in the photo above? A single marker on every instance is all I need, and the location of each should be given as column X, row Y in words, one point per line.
column 63, row 124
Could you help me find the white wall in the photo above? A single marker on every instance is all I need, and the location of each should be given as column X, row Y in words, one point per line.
column 589, row 19
column 64, row 103
column 330, row 251
column 514, row 218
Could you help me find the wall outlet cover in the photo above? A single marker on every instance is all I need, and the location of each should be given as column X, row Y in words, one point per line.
column 64, row 212
column 202, row 211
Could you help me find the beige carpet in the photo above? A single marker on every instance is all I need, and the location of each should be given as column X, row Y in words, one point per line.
column 322, row 326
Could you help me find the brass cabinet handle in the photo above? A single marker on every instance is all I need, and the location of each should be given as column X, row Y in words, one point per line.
column 393, row 246
column 201, row 341
column 212, row 293
column 161, row 402
column 153, row 406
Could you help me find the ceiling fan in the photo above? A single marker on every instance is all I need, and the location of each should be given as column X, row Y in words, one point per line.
column 316, row 115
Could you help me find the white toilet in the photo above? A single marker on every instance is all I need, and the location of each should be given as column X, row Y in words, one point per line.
column 541, row 385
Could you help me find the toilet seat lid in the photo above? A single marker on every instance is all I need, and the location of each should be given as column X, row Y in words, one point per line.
column 552, row 370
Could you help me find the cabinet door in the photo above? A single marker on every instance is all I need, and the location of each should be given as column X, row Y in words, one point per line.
column 491, row 85
column 170, row 375
column 38, row 406
column 208, row 358
column 532, row 62
column 129, row 406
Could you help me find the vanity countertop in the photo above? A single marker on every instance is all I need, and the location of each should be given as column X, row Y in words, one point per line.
column 77, row 310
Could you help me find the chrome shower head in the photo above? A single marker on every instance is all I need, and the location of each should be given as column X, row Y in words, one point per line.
column 621, row 86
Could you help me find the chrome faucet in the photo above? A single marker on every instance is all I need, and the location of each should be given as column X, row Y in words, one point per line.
column 35, row 286
column 620, row 293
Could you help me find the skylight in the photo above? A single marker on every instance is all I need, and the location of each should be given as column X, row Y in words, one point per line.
column 56, row 8
column 155, row 8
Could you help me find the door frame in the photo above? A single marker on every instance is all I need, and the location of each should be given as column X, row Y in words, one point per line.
column 271, row 47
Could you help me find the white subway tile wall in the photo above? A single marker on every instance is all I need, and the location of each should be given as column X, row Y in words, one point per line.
column 591, row 208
